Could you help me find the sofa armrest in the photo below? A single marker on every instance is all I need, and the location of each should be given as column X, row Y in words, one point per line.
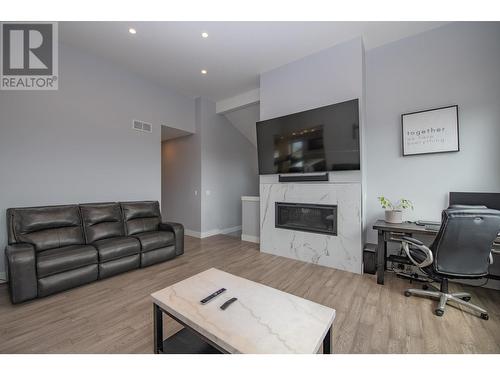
column 178, row 230
column 21, row 266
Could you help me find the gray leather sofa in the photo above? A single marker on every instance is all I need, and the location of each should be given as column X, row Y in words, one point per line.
column 54, row 248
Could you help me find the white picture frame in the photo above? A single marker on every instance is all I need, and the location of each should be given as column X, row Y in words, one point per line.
column 430, row 131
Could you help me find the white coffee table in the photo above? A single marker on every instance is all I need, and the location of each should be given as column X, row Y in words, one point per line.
column 262, row 320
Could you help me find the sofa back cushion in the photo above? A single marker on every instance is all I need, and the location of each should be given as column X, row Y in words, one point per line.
column 141, row 216
column 102, row 220
column 46, row 227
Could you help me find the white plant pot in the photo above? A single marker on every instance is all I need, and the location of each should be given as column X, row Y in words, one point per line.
column 394, row 216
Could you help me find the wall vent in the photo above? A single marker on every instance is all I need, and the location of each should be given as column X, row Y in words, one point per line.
column 142, row 126
column 147, row 127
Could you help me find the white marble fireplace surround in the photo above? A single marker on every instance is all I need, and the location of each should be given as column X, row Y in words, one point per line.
column 343, row 251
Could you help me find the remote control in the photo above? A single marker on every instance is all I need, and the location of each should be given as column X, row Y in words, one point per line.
column 212, row 296
column 226, row 304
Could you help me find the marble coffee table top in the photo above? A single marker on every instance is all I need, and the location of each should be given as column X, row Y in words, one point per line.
column 262, row 320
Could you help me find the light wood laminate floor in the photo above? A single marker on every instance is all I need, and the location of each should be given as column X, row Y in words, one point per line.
column 115, row 315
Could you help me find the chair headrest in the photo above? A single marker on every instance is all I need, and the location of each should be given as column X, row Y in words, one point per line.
column 466, row 207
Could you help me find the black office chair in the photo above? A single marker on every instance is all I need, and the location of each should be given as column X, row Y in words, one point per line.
column 461, row 250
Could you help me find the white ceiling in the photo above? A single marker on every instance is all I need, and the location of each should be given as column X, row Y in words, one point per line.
column 235, row 53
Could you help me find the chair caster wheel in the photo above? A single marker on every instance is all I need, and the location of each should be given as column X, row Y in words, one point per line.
column 439, row 312
column 407, row 294
column 425, row 287
column 466, row 299
column 485, row 316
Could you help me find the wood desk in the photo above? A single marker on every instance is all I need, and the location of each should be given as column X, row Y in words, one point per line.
column 393, row 232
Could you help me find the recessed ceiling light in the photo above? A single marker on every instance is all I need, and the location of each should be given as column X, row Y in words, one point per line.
column 203, row 71
column 204, row 35
column 132, row 31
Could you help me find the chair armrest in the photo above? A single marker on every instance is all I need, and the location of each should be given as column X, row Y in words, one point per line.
column 413, row 241
column 406, row 242
column 21, row 266
column 178, row 230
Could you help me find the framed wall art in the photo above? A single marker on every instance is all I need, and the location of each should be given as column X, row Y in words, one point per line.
column 431, row 131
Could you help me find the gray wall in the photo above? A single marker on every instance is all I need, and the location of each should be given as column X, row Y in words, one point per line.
column 455, row 64
column 218, row 158
column 228, row 170
column 330, row 76
column 76, row 144
column 181, row 177
column 244, row 119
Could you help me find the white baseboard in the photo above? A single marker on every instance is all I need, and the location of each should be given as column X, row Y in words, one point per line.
column 230, row 230
column 192, row 233
column 246, row 237
column 210, row 233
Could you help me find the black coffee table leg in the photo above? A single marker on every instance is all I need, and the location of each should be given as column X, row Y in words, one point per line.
column 327, row 342
column 158, row 329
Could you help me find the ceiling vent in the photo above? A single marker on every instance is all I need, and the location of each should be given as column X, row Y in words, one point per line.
column 142, row 126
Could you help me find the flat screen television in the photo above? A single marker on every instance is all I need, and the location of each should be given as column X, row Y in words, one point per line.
column 318, row 140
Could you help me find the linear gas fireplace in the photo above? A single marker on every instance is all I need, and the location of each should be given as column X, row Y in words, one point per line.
column 317, row 218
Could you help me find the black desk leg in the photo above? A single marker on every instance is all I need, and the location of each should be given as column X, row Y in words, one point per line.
column 381, row 253
column 158, row 329
column 327, row 342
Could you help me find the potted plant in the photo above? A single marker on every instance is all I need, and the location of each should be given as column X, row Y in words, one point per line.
column 394, row 212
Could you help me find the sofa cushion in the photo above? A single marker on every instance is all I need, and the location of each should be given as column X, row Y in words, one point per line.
column 149, row 258
column 116, row 266
column 118, row 247
column 155, row 240
column 46, row 227
column 141, row 216
column 65, row 258
column 102, row 220
column 66, row 280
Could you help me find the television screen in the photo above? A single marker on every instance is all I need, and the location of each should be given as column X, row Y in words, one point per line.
column 317, row 140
